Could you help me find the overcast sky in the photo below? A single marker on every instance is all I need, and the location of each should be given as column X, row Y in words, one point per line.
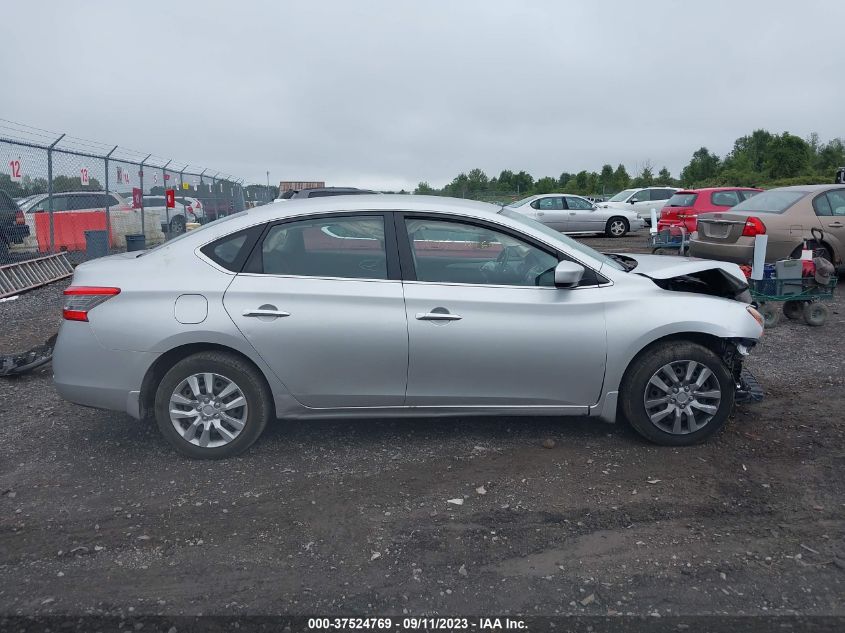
column 386, row 94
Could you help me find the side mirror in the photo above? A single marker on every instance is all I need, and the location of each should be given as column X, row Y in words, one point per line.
column 632, row 201
column 594, row 207
column 568, row 274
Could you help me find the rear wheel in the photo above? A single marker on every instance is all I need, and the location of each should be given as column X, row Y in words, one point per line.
column 815, row 313
column 771, row 315
column 677, row 394
column 616, row 227
column 793, row 309
column 212, row 405
column 177, row 225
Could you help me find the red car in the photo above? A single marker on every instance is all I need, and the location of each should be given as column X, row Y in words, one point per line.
column 683, row 208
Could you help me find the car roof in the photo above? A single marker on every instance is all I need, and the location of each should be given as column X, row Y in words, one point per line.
column 703, row 189
column 809, row 188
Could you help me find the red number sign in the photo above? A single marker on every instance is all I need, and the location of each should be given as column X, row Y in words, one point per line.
column 137, row 197
column 15, row 166
column 83, row 176
column 170, row 198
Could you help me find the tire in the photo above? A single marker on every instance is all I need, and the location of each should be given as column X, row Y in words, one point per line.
column 709, row 414
column 793, row 310
column 616, row 227
column 177, row 225
column 815, row 313
column 771, row 315
column 208, row 439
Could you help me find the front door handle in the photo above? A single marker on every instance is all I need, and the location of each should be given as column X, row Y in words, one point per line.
column 836, row 225
column 438, row 316
column 265, row 313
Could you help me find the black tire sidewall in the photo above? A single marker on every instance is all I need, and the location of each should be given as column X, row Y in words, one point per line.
column 611, row 221
column 820, row 318
column 235, row 369
column 644, row 366
column 793, row 309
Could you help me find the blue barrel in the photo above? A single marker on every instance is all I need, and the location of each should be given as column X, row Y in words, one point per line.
column 96, row 243
column 136, row 242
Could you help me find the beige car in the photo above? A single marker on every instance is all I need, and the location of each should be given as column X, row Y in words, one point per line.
column 786, row 214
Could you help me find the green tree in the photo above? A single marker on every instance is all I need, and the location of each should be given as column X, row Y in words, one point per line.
column 606, row 179
column 522, row 182
column 565, row 177
column 665, row 178
column 548, row 184
column 621, row 179
column 477, row 180
column 423, row 189
column 702, row 168
column 788, row 156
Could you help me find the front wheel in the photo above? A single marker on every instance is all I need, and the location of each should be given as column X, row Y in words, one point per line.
column 677, row 394
column 616, row 227
column 212, row 405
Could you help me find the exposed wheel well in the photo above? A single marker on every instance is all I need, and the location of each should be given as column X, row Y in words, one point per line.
column 166, row 361
column 711, row 342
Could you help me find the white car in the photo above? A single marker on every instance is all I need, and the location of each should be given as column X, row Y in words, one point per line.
column 641, row 201
column 568, row 213
column 186, row 210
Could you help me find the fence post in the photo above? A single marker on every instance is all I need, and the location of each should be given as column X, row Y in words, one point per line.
column 108, row 200
column 166, row 208
column 141, row 174
column 50, row 190
column 214, row 189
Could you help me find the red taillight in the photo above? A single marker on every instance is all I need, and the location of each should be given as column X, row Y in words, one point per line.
column 20, row 218
column 79, row 300
column 753, row 226
column 190, row 209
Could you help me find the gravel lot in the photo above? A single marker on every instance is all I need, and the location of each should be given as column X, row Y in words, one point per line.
column 98, row 516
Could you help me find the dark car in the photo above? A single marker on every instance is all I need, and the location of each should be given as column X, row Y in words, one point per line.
column 13, row 228
column 323, row 192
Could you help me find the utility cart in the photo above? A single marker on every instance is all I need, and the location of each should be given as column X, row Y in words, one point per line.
column 673, row 238
column 801, row 297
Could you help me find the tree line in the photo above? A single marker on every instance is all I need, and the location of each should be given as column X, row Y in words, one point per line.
column 759, row 159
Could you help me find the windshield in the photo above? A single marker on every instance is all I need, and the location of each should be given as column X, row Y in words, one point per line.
column 215, row 223
column 774, row 201
column 622, row 196
column 522, row 202
column 564, row 239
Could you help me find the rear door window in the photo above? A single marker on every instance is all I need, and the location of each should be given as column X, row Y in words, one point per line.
column 551, row 204
column 350, row 247
column 578, row 203
column 821, row 205
column 725, row 198
column 661, row 194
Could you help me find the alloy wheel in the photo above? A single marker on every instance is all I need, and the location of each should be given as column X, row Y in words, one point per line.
column 617, row 228
column 208, row 410
column 682, row 397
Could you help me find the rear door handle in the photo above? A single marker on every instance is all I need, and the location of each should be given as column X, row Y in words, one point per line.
column 265, row 313
column 438, row 316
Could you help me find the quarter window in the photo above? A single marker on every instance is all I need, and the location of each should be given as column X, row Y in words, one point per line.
column 349, row 247
column 453, row 252
column 821, row 205
column 837, row 202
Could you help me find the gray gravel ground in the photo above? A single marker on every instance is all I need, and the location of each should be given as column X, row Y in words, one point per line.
column 98, row 516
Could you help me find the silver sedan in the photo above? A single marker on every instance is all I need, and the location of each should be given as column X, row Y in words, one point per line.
column 573, row 214
column 374, row 306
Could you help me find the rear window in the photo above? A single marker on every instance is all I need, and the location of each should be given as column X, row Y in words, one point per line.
column 682, row 200
column 724, row 198
column 773, row 201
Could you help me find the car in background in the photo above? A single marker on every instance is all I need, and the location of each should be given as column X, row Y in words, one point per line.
column 77, row 201
column 641, row 201
column 186, row 210
column 787, row 215
column 498, row 314
column 682, row 209
column 569, row 213
column 13, row 227
column 323, row 192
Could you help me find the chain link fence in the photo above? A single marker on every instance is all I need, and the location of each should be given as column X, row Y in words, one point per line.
column 62, row 193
